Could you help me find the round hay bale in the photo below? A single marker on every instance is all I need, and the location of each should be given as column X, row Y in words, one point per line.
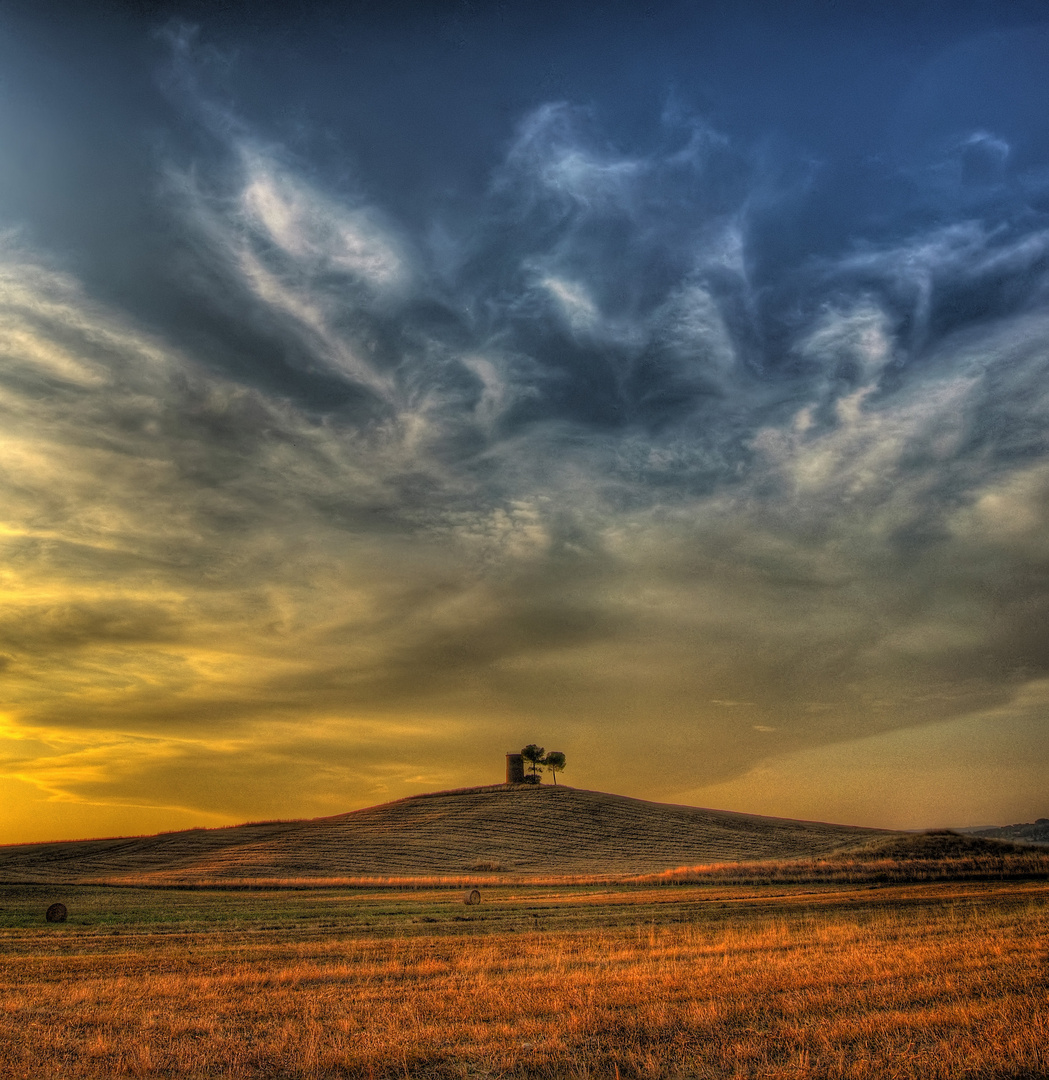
column 56, row 913
column 472, row 896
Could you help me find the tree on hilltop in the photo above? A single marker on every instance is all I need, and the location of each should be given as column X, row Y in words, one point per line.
column 555, row 762
column 534, row 754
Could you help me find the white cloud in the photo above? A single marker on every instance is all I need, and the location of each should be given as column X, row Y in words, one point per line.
column 314, row 264
column 573, row 301
column 549, row 147
column 692, row 325
column 861, row 338
column 316, row 231
column 495, row 393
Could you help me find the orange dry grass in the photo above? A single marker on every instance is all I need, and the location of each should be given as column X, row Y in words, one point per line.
column 889, row 858
column 843, row 870
column 936, row 992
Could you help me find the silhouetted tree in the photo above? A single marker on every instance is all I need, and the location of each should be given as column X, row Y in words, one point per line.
column 534, row 754
column 555, row 762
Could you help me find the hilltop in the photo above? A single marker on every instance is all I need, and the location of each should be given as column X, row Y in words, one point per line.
column 506, row 828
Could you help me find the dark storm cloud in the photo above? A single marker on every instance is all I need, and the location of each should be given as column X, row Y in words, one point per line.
column 719, row 435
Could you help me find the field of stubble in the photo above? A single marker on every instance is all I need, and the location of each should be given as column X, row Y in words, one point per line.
column 800, row 981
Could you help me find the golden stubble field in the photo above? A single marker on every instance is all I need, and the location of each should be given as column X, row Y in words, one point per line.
column 769, row 980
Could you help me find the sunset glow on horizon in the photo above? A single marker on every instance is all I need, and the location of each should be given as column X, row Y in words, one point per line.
column 384, row 390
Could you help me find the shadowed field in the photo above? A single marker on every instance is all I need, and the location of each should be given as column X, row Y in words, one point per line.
column 930, row 981
column 515, row 830
column 940, row 855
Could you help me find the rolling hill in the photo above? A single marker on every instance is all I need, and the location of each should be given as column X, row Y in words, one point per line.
column 1032, row 832
column 507, row 829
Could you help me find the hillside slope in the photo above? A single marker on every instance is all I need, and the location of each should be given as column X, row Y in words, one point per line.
column 518, row 829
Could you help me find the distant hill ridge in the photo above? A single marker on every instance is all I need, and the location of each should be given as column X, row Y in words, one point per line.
column 504, row 828
column 1035, row 832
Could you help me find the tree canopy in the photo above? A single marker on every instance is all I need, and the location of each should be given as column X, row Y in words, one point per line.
column 534, row 754
column 540, row 759
column 555, row 762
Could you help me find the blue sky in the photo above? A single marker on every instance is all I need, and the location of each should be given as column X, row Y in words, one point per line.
column 385, row 387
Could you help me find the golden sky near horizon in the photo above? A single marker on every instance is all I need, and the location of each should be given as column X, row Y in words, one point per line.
column 311, row 499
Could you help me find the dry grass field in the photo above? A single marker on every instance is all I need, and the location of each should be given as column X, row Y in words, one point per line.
column 933, row 856
column 615, row 938
column 514, row 830
column 934, row 980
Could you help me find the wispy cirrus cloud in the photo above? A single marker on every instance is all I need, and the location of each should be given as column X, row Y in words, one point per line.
column 587, row 458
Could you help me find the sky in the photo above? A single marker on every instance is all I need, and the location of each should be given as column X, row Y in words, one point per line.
column 385, row 386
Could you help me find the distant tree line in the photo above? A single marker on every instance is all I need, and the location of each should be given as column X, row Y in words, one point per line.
column 539, row 759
